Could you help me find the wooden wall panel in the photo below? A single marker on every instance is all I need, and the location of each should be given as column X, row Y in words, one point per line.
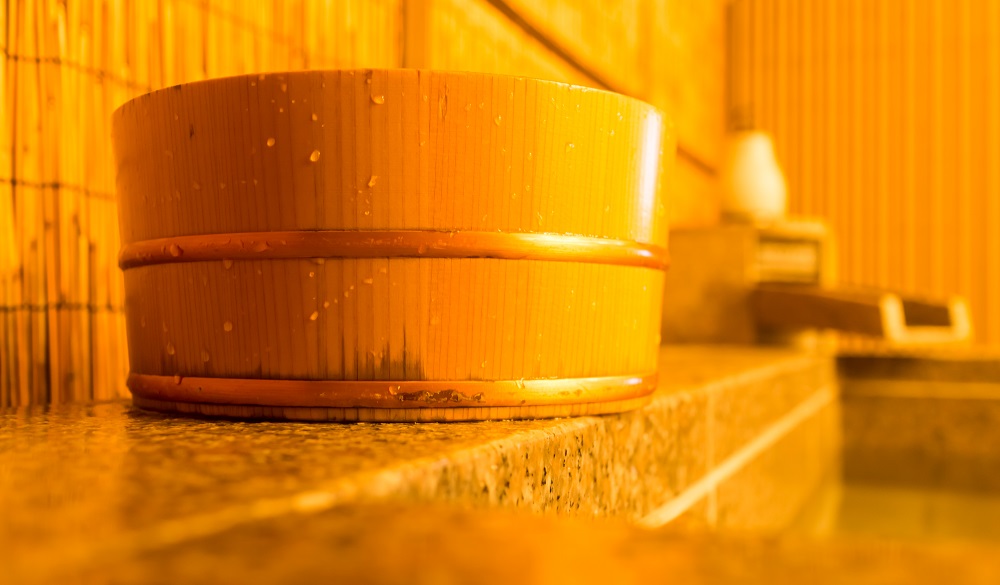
column 886, row 120
column 668, row 52
column 609, row 38
column 688, row 59
column 474, row 35
column 687, row 79
column 674, row 58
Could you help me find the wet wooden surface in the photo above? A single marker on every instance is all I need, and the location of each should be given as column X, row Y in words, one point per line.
column 501, row 228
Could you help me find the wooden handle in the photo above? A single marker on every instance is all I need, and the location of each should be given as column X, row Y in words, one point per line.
column 899, row 320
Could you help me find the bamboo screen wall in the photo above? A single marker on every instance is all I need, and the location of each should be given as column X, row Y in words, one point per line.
column 67, row 65
column 886, row 118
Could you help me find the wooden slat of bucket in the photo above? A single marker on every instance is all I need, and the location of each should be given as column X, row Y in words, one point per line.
column 180, row 313
column 378, row 150
column 444, row 197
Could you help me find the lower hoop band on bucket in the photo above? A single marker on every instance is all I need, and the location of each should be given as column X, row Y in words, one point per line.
column 408, row 394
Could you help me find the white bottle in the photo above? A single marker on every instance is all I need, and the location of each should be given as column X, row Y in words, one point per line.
column 753, row 187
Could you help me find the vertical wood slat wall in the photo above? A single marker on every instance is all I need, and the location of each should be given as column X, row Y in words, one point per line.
column 886, row 120
column 66, row 65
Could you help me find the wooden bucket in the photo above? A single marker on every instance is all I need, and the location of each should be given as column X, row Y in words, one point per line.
column 391, row 245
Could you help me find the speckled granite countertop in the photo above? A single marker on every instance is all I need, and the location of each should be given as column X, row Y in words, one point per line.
column 81, row 486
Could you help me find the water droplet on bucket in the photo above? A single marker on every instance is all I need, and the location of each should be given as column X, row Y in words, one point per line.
column 314, row 156
column 227, row 326
column 227, row 263
column 270, row 142
column 570, row 146
column 372, row 181
column 315, row 117
column 497, row 120
column 378, row 99
column 368, row 280
column 175, row 250
column 170, row 349
column 204, row 356
column 284, row 87
column 314, row 316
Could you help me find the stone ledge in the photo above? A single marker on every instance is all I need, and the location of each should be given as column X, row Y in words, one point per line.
column 105, row 482
column 957, row 364
column 927, row 418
